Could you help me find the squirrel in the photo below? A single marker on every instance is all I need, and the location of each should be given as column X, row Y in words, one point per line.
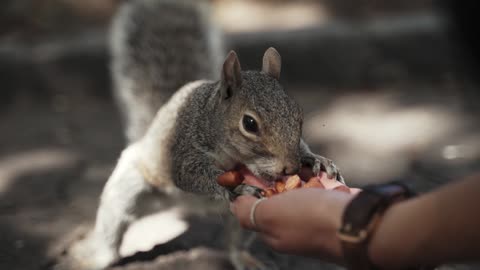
column 221, row 117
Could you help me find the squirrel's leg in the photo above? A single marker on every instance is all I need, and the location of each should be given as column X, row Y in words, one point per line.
column 117, row 210
column 318, row 162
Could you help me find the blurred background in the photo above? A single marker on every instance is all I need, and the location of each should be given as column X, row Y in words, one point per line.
column 388, row 88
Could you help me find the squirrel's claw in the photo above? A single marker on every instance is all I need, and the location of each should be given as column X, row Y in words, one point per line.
column 319, row 163
column 340, row 178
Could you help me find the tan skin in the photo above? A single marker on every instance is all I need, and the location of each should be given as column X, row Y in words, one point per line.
column 438, row 227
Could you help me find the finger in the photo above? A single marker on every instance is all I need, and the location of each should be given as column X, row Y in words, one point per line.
column 329, row 183
column 355, row 190
column 241, row 208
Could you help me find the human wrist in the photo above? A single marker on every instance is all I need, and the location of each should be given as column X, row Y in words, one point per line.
column 337, row 209
column 362, row 218
column 402, row 235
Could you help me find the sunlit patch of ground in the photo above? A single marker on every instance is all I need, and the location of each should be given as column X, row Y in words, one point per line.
column 152, row 230
column 13, row 166
column 241, row 16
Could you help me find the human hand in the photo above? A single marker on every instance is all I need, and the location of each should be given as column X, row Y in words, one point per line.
column 302, row 221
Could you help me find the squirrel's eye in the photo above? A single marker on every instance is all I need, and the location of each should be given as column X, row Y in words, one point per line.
column 249, row 124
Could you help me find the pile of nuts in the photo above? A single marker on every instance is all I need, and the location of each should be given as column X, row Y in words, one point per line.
column 232, row 179
column 294, row 182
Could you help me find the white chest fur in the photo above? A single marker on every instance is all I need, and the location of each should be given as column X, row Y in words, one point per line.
column 153, row 150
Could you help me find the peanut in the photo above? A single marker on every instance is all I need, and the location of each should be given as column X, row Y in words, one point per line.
column 269, row 192
column 314, row 183
column 293, row 182
column 280, row 186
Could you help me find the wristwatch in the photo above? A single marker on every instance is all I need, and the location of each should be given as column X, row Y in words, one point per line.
column 361, row 217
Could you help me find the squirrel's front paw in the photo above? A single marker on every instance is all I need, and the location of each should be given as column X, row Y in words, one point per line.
column 319, row 163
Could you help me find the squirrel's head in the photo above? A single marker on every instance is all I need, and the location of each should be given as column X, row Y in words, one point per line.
column 264, row 124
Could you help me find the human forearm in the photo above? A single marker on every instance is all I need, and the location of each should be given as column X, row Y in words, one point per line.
column 430, row 229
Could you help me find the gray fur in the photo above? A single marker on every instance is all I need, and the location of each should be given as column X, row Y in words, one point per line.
column 157, row 47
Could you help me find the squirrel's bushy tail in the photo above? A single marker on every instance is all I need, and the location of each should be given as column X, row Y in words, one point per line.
column 157, row 46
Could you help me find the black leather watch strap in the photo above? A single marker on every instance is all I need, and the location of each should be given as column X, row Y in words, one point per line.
column 362, row 215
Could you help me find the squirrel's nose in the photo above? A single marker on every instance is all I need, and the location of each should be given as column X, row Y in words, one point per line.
column 291, row 169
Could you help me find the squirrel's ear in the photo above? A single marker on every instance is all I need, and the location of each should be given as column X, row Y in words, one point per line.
column 272, row 63
column 231, row 75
